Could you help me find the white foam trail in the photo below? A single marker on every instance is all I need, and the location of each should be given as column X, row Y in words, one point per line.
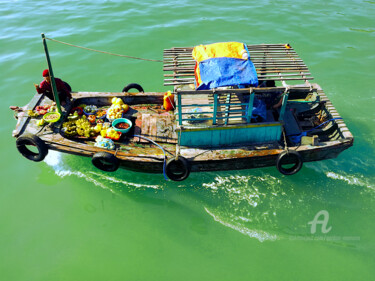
column 349, row 179
column 352, row 180
column 243, row 188
column 65, row 173
column 53, row 159
column 115, row 180
column 258, row 234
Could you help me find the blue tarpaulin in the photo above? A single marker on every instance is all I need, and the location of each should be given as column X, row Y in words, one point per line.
column 224, row 64
column 219, row 72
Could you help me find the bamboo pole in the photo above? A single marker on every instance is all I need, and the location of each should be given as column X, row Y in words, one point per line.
column 291, row 68
column 246, row 90
column 192, row 64
column 274, row 70
column 265, row 63
column 302, row 75
column 53, row 83
column 263, row 79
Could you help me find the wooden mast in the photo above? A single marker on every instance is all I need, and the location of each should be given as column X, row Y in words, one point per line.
column 53, row 83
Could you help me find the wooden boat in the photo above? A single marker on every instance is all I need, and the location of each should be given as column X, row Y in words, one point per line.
column 209, row 130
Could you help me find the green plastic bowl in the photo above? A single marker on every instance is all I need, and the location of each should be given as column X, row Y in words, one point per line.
column 47, row 117
column 122, row 120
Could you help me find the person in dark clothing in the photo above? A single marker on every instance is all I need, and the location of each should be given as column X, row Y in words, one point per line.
column 45, row 87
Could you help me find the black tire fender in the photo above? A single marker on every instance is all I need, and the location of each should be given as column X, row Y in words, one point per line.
column 177, row 169
column 105, row 161
column 28, row 139
column 289, row 157
column 132, row 86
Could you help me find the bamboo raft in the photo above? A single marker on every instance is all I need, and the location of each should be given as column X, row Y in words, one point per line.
column 221, row 135
column 273, row 62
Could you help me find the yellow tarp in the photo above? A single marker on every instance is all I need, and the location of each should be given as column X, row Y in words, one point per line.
column 217, row 50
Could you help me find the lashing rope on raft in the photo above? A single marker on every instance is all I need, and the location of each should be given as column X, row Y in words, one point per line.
column 165, row 156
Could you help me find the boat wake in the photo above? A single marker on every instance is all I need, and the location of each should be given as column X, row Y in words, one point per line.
column 249, row 204
column 259, row 205
column 357, row 179
column 258, row 234
column 352, row 180
column 65, row 168
column 269, row 208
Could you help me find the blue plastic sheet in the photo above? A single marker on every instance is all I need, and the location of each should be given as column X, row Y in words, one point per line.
column 259, row 113
column 219, row 72
column 259, row 110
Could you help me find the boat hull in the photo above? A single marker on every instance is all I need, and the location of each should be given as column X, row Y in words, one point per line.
column 143, row 157
column 264, row 158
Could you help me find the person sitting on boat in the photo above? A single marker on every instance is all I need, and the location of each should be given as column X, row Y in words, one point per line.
column 46, row 88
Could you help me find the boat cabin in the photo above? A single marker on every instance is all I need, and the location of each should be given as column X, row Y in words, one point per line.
column 234, row 116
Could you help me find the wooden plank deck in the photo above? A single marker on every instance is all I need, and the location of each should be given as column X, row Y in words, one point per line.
column 24, row 119
column 157, row 127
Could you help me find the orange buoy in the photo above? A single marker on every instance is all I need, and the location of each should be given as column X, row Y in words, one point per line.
column 168, row 102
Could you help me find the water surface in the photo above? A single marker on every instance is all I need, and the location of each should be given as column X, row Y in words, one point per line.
column 62, row 219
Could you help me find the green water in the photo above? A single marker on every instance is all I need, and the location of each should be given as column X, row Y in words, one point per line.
column 62, row 219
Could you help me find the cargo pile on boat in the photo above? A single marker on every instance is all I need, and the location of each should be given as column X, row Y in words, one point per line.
column 41, row 110
column 89, row 122
column 117, row 109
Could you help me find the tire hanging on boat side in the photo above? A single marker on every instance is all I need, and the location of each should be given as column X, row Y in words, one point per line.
column 289, row 157
column 105, row 161
column 132, row 86
column 177, row 169
column 26, row 140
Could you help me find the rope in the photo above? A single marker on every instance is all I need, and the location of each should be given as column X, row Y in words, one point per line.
column 178, row 144
column 287, row 88
column 15, row 114
column 45, row 125
column 285, row 144
column 296, row 138
column 165, row 156
column 103, row 52
column 337, row 118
